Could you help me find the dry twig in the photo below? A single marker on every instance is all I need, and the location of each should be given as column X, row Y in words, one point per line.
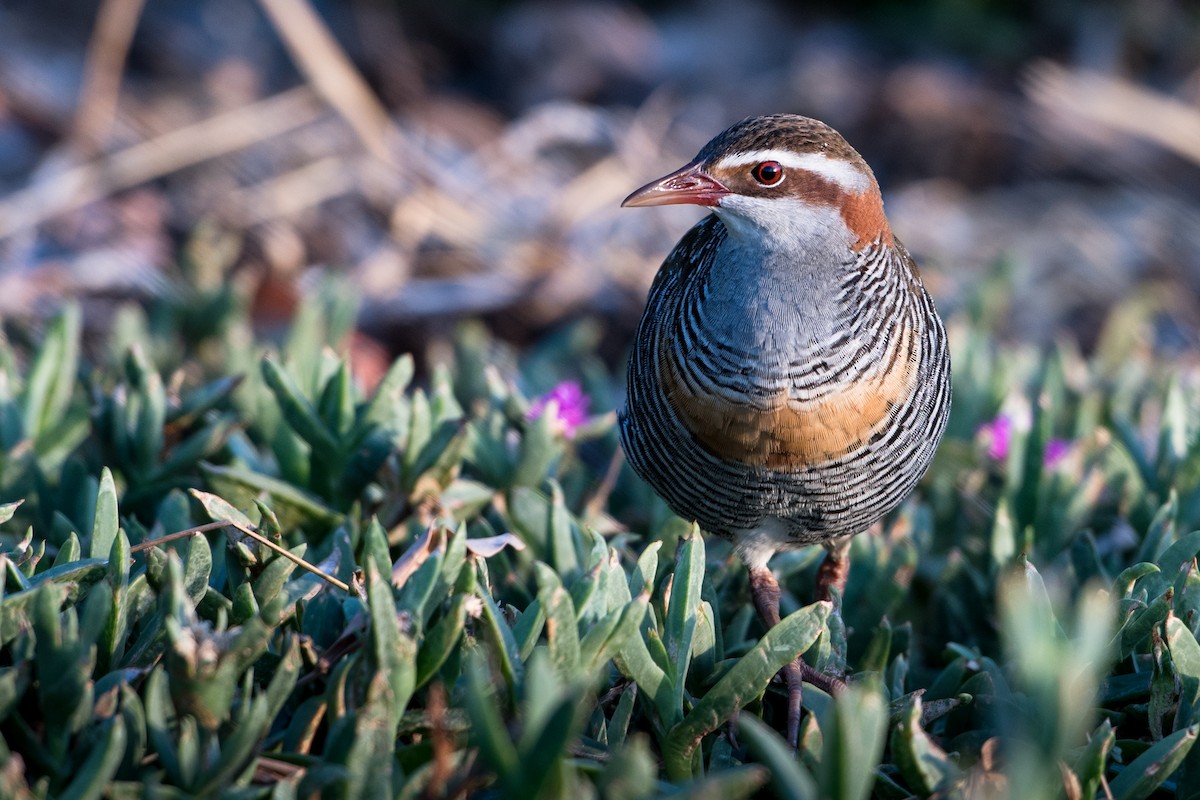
column 253, row 534
column 170, row 537
column 109, row 46
column 160, row 156
column 330, row 72
column 1118, row 105
column 289, row 555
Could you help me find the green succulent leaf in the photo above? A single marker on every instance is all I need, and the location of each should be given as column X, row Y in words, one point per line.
column 561, row 631
column 502, row 641
column 1149, row 770
column 789, row 778
column 442, row 639
column 790, row 638
column 96, row 771
column 295, row 507
column 7, row 510
column 854, row 736
column 392, row 652
column 51, row 382
column 926, row 766
column 298, row 411
column 104, row 528
column 1091, row 763
column 683, row 610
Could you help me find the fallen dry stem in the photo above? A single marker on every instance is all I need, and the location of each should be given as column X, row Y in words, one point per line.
column 292, row 192
column 171, row 537
column 107, row 50
column 160, row 156
column 324, row 63
column 1119, row 105
column 248, row 531
column 289, row 555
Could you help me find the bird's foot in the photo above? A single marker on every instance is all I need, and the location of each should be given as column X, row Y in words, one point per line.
column 765, row 591
column 798, row 673
column 830, row 684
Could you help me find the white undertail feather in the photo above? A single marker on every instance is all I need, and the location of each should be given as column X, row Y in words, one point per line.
column 756, row 545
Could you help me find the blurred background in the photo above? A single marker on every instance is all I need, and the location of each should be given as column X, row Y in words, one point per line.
column 455, row 159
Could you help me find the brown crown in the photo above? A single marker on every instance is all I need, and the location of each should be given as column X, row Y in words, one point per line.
column 790, row 131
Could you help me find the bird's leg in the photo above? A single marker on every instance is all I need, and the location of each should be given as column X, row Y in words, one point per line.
column 834, row 569
column 765, row 591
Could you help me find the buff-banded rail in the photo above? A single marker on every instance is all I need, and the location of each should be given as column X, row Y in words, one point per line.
column 790, row 377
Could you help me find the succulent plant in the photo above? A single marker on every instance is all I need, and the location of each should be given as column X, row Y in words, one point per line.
column 266, row 582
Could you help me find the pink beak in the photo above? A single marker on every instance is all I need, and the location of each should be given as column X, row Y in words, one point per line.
column 690, row 184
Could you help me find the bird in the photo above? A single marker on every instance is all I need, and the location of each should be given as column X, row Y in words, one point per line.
column 789, row 380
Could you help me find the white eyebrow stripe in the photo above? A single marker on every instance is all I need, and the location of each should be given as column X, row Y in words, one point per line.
column 835, row 169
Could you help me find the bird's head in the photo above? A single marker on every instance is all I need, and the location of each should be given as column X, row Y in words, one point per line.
column 782, row 176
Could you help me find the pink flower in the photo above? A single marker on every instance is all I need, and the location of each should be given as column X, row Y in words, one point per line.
column 1056, row 451
column 572, row 406
column 997, row 435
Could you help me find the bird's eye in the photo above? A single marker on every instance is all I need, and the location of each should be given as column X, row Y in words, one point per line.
column 768, row 173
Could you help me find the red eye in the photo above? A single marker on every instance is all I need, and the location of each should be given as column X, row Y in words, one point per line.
column 768, row 173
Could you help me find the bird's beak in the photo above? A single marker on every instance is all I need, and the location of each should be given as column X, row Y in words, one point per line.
column 691, row 184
